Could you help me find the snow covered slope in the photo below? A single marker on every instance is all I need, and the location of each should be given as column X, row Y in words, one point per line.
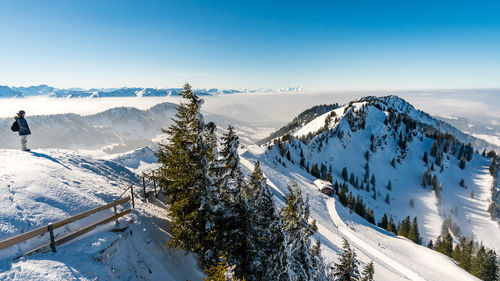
column 395, row 258
column 49, row 185
column 379, row 140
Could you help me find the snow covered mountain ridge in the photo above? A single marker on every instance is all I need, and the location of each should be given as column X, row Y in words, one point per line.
column 385, row 152
column 388, row 164
column 388, row 102
column 44, row 90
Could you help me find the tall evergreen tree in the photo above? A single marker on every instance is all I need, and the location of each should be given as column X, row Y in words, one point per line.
column 462, row 162
column 230, row 230
column 265, row 237
column 484, row 265
column 414, row 234
column 478, row 262
column 221, row 272
column 295, row 215
column 383, row 221
column 368, row 272
column 345, row 174
column 444, row 245
column 347, row 268
column 467, row 251
column 430, row 245
column 209, row 134
column 184, row 177
column 391, row 226
column 491, row 272
column 404, row 227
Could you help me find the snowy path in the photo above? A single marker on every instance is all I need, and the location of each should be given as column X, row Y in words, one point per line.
column 344, row 229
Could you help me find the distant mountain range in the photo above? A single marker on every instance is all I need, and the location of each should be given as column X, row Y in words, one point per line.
column 44, row 90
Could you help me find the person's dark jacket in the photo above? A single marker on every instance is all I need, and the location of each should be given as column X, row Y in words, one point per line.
column 24, row 129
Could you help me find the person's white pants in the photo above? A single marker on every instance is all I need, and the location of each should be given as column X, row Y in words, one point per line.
column 24, row 141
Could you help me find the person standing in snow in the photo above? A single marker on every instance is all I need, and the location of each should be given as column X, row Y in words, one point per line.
column 24, row 129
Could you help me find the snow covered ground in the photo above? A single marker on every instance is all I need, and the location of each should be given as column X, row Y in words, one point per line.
column 45, row 186
column 395, row 258
column 470, row 214
column 51, row 184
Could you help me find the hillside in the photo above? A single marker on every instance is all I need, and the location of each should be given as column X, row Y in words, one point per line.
column 50, row 185
column 53, row 184
column 395, row 258
column 118, row 129
column 382, row 140
column 387, row 138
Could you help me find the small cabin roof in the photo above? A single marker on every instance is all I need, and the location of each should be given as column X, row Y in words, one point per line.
column 322, row 184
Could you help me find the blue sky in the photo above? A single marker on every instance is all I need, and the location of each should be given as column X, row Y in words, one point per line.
column 324, row 46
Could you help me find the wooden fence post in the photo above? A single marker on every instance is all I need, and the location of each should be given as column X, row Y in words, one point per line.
column 114, row 208
column 132, row 195
column 144, row 188
column 52, row 240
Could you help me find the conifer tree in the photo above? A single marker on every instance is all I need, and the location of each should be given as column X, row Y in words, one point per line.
column 462, row 163
column 209, row 134
column 389, row 185
column 383, row 221
column 342, row 195
column 467, row 251
column 391, row 226
column 295, row 215
column 490, row 269
column 231, row 226
column 315, row 171
column 404, row 227
column 444, row 245
column 221, row 272
column 265, row 237
column 345, row 175
column 347, row 268
column 368, row 272
column 484, row 265
column 478, row 262
column 430, row 245
column 414, row 234
column 184, row 177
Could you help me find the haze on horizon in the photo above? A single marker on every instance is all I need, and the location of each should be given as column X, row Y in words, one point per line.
column 320, row 46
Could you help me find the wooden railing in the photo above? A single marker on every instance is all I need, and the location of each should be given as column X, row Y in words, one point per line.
column 148, row 180
column 50, row 227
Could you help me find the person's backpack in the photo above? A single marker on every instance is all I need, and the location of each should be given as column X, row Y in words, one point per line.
column 14, row 127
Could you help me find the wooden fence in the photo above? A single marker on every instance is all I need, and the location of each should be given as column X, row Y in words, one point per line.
column 148, row 180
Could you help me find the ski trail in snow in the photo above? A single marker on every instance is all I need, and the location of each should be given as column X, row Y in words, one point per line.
column 344, row 229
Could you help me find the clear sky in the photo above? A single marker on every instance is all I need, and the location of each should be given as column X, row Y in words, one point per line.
column 318, row 45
